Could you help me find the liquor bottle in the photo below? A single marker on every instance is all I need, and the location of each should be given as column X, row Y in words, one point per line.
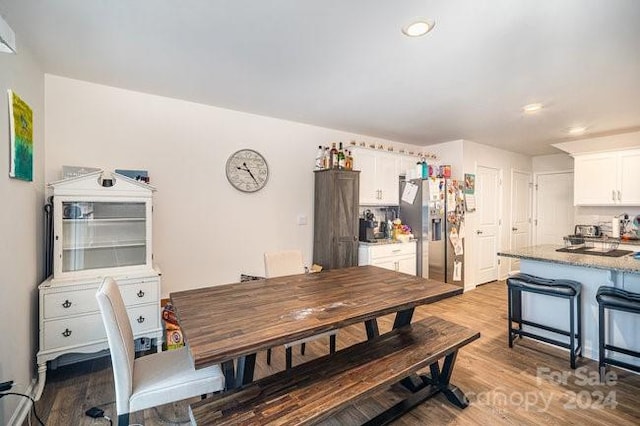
column 333, row 157
column 348, row 161
column 326, row 158
column 319, row 156
column 341, row 158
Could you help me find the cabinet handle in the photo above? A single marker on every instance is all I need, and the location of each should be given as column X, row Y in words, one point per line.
column 396, row 251
column 514, row 229
column 479, row 232
column 66, row 332
column 140, row 319
column 613, row 195
column 66, row 304
column 141, row 293
column 619, row 196
column 397, row 266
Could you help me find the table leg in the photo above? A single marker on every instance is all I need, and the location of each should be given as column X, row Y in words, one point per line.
column 246, row 367
column 372, row 328
column 438, row 382
column 403, row 318
column 229, row 375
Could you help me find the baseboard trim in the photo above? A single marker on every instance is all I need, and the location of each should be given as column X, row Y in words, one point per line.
column 24, row 406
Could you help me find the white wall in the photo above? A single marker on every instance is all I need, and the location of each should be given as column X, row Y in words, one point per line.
column 552, row 163
column 21, row 231
column 205, row 232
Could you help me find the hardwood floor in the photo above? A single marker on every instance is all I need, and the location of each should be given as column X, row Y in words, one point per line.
column 530, row 384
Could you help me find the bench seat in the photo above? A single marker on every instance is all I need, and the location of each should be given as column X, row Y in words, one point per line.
column 311, row 392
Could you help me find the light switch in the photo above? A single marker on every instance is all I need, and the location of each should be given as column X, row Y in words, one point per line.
column 302, row 219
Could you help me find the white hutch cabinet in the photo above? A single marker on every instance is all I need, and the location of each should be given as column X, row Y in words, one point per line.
column 101, row 227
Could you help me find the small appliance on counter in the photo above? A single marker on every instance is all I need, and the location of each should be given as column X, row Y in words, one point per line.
column 368, row 226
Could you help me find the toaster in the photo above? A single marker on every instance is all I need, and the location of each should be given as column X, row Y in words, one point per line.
column 587, row 230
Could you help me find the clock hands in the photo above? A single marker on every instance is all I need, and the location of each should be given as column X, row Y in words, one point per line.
column 246, row 169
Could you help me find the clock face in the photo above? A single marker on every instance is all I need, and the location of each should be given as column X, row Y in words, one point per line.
column 247, row 170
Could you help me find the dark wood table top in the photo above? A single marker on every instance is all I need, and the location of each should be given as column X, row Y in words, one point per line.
column 224, row 322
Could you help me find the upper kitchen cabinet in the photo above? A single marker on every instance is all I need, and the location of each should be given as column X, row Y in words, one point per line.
column 101, row 224
column 607, row 179
column 379, row 171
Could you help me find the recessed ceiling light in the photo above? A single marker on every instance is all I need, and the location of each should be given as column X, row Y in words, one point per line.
column 418, row 27
column 532, row 108
column 577, row 130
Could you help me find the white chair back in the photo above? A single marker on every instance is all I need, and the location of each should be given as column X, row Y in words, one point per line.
column 282, row 263
column 120, row 337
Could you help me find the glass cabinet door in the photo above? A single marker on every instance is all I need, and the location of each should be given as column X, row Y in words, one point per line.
column 99, row 235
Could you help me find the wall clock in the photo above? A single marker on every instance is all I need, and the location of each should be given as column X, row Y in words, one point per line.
column 247, row 170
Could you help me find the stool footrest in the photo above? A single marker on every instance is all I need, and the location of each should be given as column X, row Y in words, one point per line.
column 545, row 327
column 622, row 350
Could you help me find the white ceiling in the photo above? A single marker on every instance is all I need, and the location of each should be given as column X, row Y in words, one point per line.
column 345, row 64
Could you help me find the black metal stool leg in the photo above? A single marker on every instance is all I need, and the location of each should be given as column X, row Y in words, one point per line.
column 601, row 342
column 572, row 332
column 509, row 315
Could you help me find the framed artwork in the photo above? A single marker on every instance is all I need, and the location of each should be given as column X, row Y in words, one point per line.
column 21, row 134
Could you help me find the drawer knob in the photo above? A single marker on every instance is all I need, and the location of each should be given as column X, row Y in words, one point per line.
column 141, row 293
column 66, row 332
column 66, row 304
column 140, row 319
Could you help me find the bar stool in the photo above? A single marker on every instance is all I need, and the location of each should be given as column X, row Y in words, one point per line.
column 565, row 289
column 614, row 299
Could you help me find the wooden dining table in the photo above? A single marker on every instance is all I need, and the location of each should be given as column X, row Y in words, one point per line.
column 228, row 323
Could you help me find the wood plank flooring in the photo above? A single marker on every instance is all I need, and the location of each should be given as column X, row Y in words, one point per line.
column 530, row 384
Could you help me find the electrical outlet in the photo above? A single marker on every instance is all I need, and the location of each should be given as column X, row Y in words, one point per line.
column 5, row 386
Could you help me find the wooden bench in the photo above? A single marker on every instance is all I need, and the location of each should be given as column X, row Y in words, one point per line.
column 311, row 392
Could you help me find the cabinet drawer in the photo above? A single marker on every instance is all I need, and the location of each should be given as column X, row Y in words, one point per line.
column 138, row 293
column 70, row 303
column 144, row 318
column 73, row 331
column 89, row 328
column 398, row 249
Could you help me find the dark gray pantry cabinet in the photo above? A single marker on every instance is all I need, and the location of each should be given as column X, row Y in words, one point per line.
column 335, row 233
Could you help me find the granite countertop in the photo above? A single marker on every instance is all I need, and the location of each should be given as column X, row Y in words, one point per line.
column 548, row 253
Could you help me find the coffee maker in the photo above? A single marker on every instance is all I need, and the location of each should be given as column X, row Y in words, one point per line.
column 368, row 225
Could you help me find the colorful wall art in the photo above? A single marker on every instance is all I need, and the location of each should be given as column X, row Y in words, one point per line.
column 21, row 129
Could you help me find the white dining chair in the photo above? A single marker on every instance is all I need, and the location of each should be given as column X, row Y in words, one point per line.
column 280, row 264
column 151, row 380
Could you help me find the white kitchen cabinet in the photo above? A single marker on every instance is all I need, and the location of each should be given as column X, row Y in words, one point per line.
column 607, row 179
column 399, row 257
column 101, row 227
column 379, row 175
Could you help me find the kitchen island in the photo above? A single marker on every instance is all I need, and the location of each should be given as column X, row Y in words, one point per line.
column 592, row 271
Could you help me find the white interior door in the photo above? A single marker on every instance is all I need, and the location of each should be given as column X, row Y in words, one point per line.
column 521, row 200
column 554, row 211
column 487, row 234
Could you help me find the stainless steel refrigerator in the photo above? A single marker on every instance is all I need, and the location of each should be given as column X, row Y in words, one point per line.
column 434, row 209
